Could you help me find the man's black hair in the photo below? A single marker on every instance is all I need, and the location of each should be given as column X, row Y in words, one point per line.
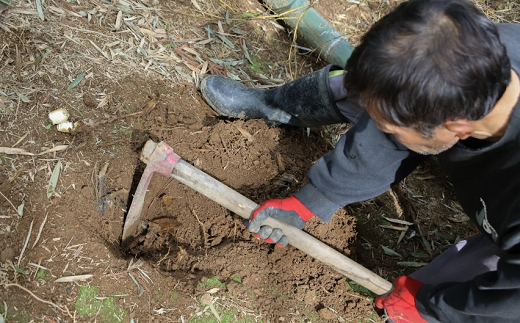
column 427, row 62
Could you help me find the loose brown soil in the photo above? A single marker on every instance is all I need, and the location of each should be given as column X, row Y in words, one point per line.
column 195, row 260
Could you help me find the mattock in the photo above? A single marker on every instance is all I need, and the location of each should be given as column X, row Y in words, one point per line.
column 161, row 158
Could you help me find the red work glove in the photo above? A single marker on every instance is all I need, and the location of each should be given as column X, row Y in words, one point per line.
column 399, row 303
column 289, row 210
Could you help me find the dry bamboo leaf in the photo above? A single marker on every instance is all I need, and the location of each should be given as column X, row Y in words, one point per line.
column 204, row 69
column 425, row 242
column 401, row 237
column 23, row 11
column 98, row 49
column 40, row 231
column 17, row 173
column 56, row 10
column 246, row 52
column 418, row 255
column 196, row 5
column 112, row 44
column 22, row 97
column 21, row 139
column 68, row 279
column 19, row 210
column 160, row 33
column 76, row 81
column 145, row 31
column 72, row 13
column 462, row 219
column 191, row 51
column 193, row 68
column 54, row 149
column 18, row 64
column 14, row 151
column 214, row 311
column 414, row 264
column 391, row 252
column 119, row 20
column 397, row 221
column 26, row 242
column 226, row 41
column 141, row 50
column 53, row 181
column 40, row 10
column 148, row 106
column 393, row 227
column 205, row 41
column 103, row 102
column 227, row 62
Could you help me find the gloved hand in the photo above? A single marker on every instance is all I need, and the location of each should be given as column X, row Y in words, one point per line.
column 289, row 210
column 399, row 303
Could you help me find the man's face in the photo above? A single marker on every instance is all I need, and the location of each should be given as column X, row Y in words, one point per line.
column 442, row 138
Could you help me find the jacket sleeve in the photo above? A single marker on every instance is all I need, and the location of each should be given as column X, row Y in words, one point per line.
column 364, row 164
column 491, row 297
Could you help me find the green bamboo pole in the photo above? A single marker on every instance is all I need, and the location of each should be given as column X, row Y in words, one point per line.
column 314, row 29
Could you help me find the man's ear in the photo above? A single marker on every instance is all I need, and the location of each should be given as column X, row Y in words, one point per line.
column 461, row 127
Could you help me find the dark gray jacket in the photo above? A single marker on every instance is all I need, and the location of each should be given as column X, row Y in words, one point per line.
column 366, row 162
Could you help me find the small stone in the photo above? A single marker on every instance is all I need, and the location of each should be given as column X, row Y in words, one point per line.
column 89, row 101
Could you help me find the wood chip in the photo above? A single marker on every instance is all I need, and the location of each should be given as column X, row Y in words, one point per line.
column 245, row 133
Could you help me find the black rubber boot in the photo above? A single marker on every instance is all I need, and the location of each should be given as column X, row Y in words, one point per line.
column 304, row 102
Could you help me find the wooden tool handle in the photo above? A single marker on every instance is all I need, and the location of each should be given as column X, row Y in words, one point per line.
column 241, row 205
